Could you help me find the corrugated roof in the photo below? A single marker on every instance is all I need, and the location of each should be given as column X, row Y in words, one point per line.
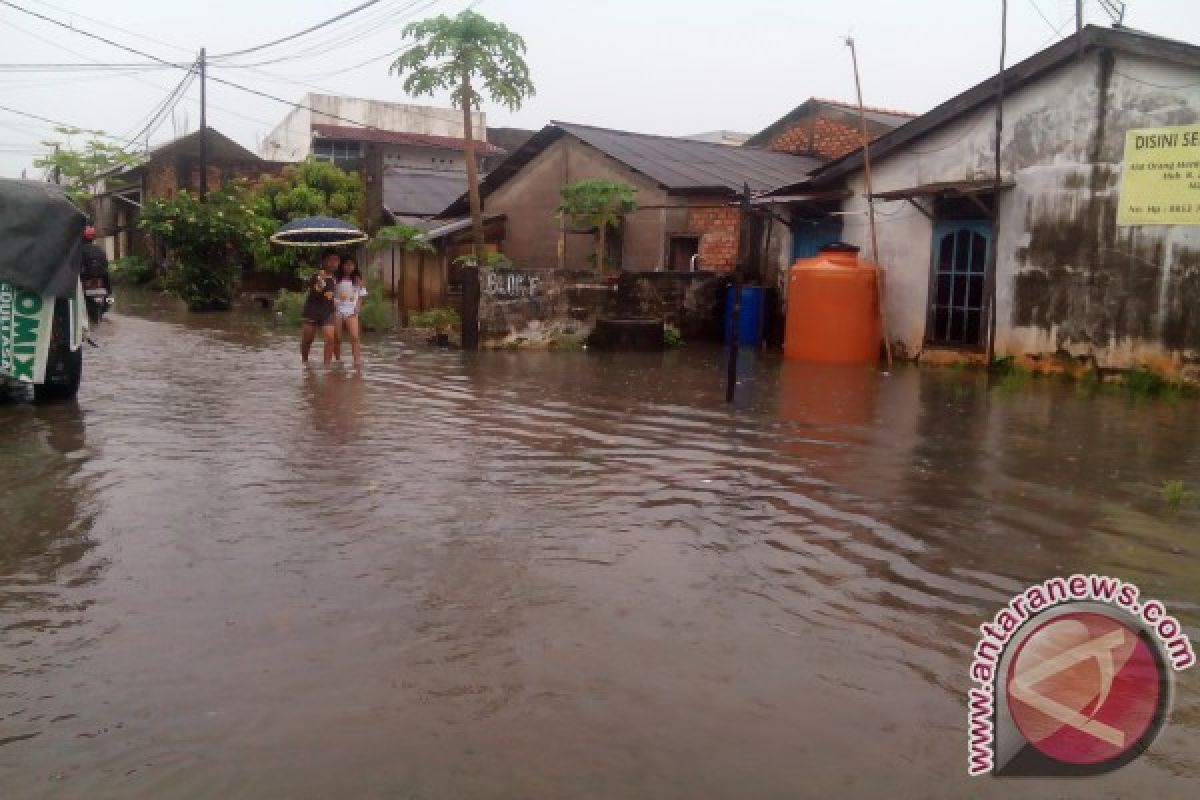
column 678, row 165
column 683, row 165
column 420, row 192
column 353, row 134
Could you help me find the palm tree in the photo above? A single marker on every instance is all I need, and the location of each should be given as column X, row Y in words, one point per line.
column 446, row 54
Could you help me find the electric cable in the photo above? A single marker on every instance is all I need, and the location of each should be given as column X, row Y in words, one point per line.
column 308, row 30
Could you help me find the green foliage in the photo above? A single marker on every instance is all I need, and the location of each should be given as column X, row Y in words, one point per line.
column 598, row 204
column 442, row 320
column 376, row 313
column 131, row 270
column 448, row 51
column 489, row 260
column 210, row 242
column 1175, row 493
column 289, row 306
column 404, row 237
column 671, row 336
column 81, row 170
column 1144, row 384
column 312, row 189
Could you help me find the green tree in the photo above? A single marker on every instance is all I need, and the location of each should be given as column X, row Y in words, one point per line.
column 448, row 52
column 312, row 189
column 402, row 237
column 209, row 241
column 81, row 170
column 597, row 204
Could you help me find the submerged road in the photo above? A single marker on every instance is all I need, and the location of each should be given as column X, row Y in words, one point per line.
column 554, row 575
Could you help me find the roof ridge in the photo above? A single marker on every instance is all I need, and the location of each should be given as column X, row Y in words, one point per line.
column 560, row 123
column 876, row 109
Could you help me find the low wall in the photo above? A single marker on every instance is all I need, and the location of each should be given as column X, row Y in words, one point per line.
column 556, row 308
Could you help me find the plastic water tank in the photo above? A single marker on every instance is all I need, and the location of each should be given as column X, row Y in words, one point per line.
column 750, row 316
column 832, row 308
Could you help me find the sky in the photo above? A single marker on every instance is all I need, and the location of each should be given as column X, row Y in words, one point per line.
column 655, row 66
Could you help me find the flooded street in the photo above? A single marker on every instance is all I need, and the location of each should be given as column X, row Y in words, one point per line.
column 548, row 575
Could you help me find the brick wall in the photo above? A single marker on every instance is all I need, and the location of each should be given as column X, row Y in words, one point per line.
column 718, row 229
column 825, row 138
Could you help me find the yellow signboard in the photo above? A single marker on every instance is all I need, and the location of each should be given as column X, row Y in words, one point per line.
column 1160, row 183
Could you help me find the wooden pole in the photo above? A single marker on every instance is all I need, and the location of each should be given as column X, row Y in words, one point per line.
column 880, row 296
column 993, row 254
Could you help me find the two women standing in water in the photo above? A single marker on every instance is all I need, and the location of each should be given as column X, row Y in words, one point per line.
column 333, row 304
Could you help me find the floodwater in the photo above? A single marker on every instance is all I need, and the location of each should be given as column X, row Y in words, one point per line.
column 554, row 575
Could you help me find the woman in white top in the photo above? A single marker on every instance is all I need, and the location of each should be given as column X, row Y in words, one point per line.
column 348, row 299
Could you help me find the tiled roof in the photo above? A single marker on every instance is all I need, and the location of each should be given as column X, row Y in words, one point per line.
column 351, row 133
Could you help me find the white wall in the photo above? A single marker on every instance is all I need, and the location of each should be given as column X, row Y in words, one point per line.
column 291, row 140
column 1057, row 225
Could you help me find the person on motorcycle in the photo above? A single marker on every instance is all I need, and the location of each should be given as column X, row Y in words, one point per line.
column 95, row 262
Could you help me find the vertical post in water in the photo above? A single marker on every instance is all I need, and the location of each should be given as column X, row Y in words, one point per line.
column 880, row 298
column 735, row 312
column 203, row 125
column 993, row 252
column 470, row 315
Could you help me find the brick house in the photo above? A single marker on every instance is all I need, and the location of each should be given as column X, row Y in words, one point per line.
column 686, row 194
column 825, row 129
column 166, row 170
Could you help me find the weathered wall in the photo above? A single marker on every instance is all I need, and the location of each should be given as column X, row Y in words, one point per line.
column 431, row 158
column 291, row 140
column 548, row 308
column 718, row 229
column 1068, row 279
column 529, row 199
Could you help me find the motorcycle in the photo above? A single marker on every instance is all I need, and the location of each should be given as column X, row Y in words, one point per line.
column 98, row 297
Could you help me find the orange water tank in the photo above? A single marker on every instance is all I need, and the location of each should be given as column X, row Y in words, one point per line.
column 832, row 308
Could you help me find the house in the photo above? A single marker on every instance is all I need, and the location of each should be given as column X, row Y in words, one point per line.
column 826, row 129
column 687, row 192
column 335, row 128
column 1085, row 267
column 166, row 170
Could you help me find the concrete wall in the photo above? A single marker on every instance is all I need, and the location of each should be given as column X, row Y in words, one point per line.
column 431, row 158
column 524, row 308
column 291, row 140
column 1068, row 279
column 529, row 199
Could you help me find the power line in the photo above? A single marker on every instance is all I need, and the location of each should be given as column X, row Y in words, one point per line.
column 106, row 24
column 308, row 30
column 1038, row 9
column 59, row 123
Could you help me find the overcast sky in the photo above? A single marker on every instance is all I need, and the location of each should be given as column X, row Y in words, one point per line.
column 655, row 66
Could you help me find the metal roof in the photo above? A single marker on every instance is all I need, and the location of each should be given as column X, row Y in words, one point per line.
column 1091, row 37
column 420, row 192
column 350, row 133
column 678, row 165
column 682, row 165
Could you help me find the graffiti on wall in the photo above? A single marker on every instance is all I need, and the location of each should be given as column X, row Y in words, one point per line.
column 508, row 285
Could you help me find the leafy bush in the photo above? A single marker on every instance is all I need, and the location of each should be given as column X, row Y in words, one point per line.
column 1175, row 493
column 289, row 306
column 376, row 313
column 442, row 320
column 210, row 242
column 131, row 270
column 671, row 336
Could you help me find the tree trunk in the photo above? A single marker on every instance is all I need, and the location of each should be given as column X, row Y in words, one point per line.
column 472, row 172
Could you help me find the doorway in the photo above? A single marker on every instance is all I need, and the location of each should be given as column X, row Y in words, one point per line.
column 680, row 251
column 957, row 307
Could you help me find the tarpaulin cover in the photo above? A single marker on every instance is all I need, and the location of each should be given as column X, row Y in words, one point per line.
column 41, row 238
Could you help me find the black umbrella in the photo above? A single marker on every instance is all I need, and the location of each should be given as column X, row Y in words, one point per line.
column 318, row 232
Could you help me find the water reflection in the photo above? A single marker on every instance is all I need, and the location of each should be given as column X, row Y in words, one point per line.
column 544, row 574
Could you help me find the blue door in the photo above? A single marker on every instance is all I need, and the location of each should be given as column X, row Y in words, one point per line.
column 810, row 235
column 957, row 306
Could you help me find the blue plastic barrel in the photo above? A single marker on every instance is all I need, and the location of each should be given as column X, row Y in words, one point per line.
column 750, row 318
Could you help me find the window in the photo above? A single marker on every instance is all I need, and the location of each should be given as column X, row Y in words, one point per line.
column 347, row 155
column 956, row 309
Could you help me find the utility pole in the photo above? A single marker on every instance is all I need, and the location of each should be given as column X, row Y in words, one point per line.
column 993, row 251
column 866, row 148
column 735, row 312
column 57, row 168
column 1078, row 15
column 203, row 126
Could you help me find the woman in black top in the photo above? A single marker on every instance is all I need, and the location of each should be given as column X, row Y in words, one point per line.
column 319, row 310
